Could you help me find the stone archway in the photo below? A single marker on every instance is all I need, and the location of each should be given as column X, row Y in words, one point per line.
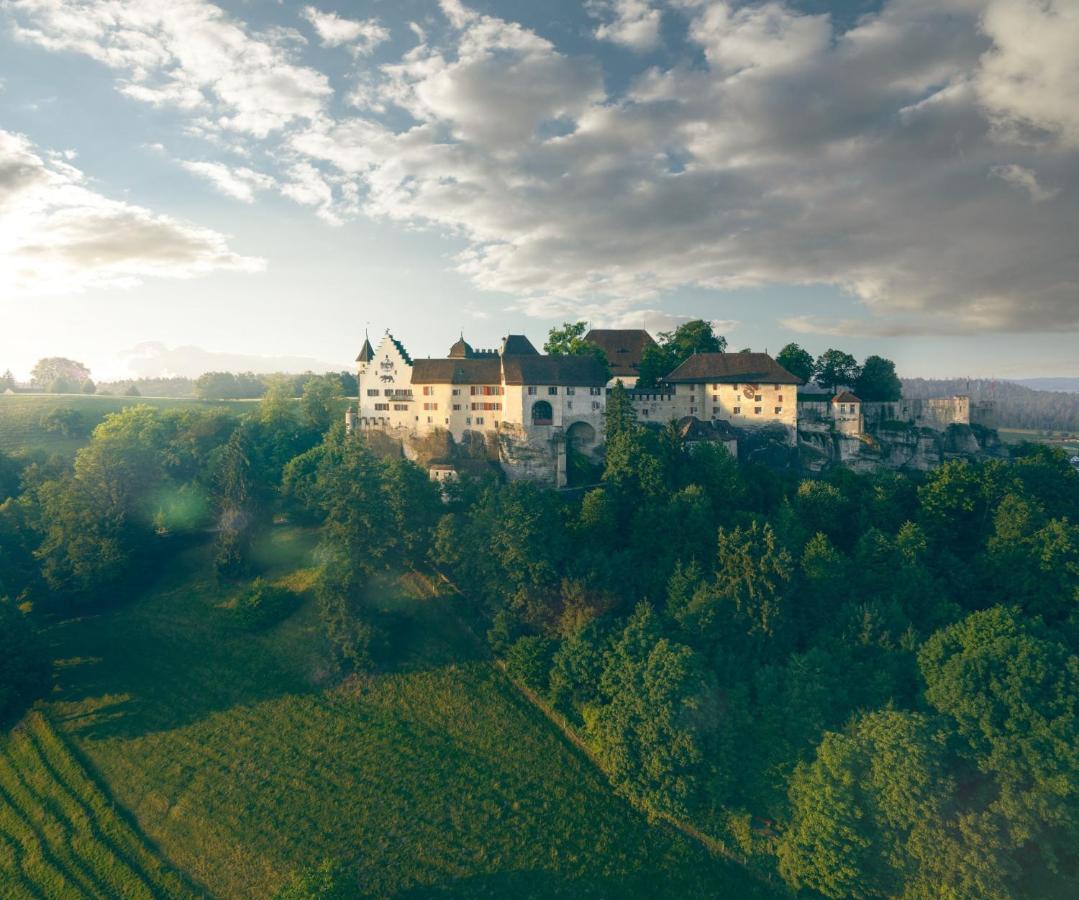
column 581, row 437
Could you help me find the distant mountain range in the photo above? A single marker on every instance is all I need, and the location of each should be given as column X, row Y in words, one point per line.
column 1017, row 404
column 1070, row 385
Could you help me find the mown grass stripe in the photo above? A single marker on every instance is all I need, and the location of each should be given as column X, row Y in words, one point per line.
column 114, row 868
column 54, row 830
column 101, row 817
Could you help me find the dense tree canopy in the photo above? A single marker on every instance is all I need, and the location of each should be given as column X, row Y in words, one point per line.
column 675, row 347
column 797, row 361
column 877, row 380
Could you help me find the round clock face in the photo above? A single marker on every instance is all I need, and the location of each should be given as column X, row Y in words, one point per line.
column 749, row 391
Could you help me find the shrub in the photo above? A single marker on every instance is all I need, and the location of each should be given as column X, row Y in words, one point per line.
column 66, row 421
column 529, row 660
column 261, row 605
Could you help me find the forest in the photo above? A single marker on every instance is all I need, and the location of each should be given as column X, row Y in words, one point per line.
column 856, row 685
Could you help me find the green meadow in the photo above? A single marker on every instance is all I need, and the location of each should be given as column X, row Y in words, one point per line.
column 242, row 757
column 59, row 835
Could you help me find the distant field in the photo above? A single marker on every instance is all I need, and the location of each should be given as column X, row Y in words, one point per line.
column 59, row 835
column 21, row 416
column 241, row 761
column 1067, row 440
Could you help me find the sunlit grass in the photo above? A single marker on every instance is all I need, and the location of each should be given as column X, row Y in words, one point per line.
column 59, row 835
column 242, row 757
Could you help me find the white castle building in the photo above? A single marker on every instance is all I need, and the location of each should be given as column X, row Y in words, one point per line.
column 525, row 409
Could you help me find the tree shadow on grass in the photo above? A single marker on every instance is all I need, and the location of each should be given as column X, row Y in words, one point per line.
column 166, row 659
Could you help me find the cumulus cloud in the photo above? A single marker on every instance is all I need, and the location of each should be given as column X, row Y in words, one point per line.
column 57, row 235
column 361, row 36
column 238, row 182
column 188, row 53
column 632, row 23
column 1030, row 76
column 882, row 157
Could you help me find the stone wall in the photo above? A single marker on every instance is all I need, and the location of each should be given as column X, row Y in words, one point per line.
column 936, row 413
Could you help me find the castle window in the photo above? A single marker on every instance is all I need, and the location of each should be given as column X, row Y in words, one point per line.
column 456, row 407
column 569, row 404
column 595, row 405
column 738, row 410
column 595, row 392
column 428, row 420
column 430, row 406
column 428, row 390
column 468, row 420
column 401, row 407
column 372, row 392
column 479, row 420
column 383, row 406
column 779, row 409
column 531, row 390
column 388, row 392
column 780, row 398
column 758, row 398
column 756, row 410
column 715, row 398
column 693, row 410
column 644, row 412
column 456, row 392
column 553, row 391
column 542, row 414
column 570, row 391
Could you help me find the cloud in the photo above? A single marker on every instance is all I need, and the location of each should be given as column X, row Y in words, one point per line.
column 57, row 235
column 362, row 36
column 632, row 23
column 153, row 359
column 781, row 148
column 237, row 182
column 1030, row 76
column 1024, row 178
column 188, row 53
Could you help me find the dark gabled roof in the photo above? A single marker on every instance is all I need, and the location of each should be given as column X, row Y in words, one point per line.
column 731, row 368
column 400, row 348
column 572, row 371
column 461, row 350
column 845, row 397
column 690, row 428
column 623, row 347
column 518, row 345
column 367, row 352
column 484, row 370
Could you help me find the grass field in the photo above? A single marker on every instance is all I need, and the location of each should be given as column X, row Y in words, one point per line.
column 59, row 835
column 241, row 758
column 21, row 417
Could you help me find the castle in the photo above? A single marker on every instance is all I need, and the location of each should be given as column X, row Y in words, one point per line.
column 529, row 410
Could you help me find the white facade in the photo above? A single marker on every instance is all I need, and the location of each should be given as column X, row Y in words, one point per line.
column 385, row 387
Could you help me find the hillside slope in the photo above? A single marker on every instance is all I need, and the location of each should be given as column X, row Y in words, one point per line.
column 242, row 759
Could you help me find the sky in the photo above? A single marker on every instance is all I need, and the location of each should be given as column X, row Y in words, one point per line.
column 188, row 186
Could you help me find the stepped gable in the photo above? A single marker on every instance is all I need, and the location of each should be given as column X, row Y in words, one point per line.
column 569, row 371
column 400, row 348
column 623, row 347
column 731, row 368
